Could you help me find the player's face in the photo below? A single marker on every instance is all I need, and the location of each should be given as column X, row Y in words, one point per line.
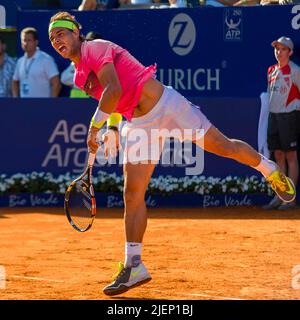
column 282, row 53
column 64, row 41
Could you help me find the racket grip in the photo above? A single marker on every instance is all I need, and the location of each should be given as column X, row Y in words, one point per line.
column 91, row 159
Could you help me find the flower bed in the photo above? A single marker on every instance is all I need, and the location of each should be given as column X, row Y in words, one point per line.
column 37, row 183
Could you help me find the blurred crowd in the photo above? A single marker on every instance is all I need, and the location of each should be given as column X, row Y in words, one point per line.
column 134, row 4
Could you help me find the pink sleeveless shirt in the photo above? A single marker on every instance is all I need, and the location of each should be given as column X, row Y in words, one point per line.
column 131, row 73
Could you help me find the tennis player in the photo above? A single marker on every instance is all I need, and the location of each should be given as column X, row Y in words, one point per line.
column 124, row 86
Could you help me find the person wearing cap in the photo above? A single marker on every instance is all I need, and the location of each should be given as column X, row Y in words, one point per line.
column 153, row 112
column 284, row 100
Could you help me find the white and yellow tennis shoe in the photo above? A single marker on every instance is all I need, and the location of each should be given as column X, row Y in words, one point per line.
column 282, row 185
column 127, row 278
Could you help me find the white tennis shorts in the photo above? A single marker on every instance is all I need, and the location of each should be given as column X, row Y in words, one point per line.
column 172, row 117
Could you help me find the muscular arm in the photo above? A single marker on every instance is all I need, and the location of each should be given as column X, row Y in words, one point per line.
column 112, row 92
column 55, row 86
column 16, row 88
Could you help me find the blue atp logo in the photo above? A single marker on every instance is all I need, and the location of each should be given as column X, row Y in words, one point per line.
column 182, row 34
column 233, row 24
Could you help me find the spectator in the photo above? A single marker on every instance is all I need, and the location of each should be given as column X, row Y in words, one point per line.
column 177, row 4
column 138, row 2
column 283, row 2
column 36, row 74
column 68, row 74
column 226, row 3
column 248, row 3
column 161, row 4
column 216, row 3
column 284, row 100
column 7, row 67
column 268, row 2
column 99, row 4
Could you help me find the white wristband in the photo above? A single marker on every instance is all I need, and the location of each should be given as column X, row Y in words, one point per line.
column 99, row 118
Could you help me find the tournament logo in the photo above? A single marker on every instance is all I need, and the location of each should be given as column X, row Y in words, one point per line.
column 233, row 24
column 182, row 34
column 2, row 17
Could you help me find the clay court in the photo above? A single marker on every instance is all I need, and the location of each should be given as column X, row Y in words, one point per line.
column 218, row 253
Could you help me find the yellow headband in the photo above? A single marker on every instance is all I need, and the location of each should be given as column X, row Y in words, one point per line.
column 62, row 24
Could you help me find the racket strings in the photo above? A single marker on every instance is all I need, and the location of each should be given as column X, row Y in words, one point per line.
column 80, row 205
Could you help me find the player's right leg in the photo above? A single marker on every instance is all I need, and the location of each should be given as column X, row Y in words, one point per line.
column 218, row 143
column 133, row 273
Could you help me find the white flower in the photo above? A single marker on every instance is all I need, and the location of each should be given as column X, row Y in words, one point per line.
column 200, row 184
column 245, row 187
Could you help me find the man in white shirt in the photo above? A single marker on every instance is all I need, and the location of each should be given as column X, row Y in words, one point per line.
column 36, row 74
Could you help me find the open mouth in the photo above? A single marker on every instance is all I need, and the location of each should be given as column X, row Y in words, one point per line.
column 62, row 49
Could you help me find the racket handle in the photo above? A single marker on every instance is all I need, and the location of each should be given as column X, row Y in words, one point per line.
column 91, row 159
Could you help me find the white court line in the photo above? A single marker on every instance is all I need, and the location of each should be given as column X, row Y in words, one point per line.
column 36, row 278
column 199, row 295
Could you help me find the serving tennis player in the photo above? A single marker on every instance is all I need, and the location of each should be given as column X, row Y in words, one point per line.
column 123, row 86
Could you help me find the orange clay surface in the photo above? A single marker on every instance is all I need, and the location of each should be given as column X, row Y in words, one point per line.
column 218, row 253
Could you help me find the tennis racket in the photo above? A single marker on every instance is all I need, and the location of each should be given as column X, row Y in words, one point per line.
column 80, row 203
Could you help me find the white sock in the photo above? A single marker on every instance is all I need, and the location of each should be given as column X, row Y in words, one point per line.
column 133, row 252
column 266, row 167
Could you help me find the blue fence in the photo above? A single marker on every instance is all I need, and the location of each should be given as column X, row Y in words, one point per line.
column 211, row 52
column 216, row 56
column 49, row 134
